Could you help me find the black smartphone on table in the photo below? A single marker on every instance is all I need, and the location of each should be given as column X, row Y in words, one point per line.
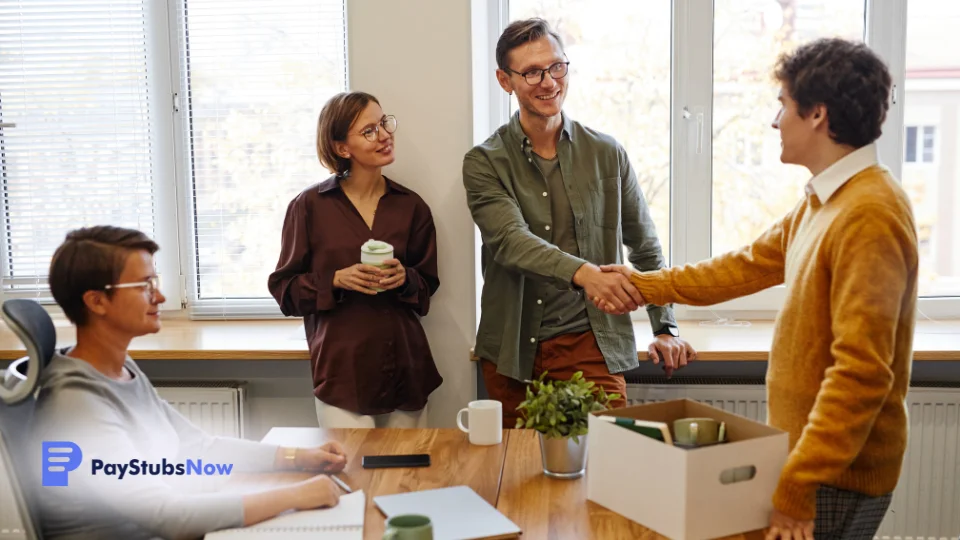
column 396, row 461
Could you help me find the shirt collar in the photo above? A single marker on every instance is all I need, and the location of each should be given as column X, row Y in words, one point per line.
column 517, row 131
column 334, row 183
column 825, row 184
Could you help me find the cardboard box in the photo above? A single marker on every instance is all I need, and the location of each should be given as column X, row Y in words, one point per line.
column 678, row 492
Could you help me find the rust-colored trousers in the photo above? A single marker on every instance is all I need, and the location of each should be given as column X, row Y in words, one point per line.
column 561, row 356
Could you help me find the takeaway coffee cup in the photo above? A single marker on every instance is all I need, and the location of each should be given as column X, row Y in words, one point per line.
column 375, row 253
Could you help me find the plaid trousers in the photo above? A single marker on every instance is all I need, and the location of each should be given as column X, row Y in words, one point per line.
column 848, row 515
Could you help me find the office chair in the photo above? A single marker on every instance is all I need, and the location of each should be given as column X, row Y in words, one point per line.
column 18, row 386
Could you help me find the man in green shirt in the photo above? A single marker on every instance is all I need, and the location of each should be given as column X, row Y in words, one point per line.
column 554, row 199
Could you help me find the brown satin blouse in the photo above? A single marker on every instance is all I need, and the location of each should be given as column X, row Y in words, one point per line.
column 369, row 354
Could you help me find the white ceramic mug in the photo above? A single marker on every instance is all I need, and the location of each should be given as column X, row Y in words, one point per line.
column 484, row 421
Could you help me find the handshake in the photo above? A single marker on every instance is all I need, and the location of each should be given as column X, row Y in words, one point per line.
column 609, row 287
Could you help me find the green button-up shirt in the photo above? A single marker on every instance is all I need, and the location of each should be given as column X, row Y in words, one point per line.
column 505, row 193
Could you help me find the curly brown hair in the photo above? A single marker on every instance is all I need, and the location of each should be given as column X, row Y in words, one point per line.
column 846, row 77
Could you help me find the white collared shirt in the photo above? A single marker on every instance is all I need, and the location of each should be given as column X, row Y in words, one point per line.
column 825, row 184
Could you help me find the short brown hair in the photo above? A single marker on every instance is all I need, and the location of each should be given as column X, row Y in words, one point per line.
column 520, row 32
column 90, row 259
column 848, row 78
column 337, row 116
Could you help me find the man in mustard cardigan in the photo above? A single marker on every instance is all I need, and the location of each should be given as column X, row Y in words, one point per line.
column 840, row 361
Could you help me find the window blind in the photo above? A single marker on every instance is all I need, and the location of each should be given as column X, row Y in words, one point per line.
column 74, row 81
column 254, row 76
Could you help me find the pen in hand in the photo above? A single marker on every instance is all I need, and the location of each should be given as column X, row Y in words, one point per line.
column 341, row 483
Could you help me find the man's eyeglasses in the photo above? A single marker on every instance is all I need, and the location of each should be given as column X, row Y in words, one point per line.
column 151, row 285
column 535, row 76
column 388, row 122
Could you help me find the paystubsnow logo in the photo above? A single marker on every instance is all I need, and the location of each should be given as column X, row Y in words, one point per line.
column 61, row 457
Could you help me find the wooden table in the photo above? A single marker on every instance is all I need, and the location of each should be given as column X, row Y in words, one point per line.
column 454, row 461
column 546, row 508
column 508, row 476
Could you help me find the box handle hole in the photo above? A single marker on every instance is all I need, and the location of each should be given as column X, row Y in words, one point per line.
column 738, row 474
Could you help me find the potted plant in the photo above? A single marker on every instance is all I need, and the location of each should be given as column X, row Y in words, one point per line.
column 558, row 410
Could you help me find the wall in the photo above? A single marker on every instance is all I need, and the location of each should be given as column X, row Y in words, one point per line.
column 415, row 57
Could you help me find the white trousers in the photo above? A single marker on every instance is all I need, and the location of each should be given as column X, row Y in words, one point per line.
column 332, row 417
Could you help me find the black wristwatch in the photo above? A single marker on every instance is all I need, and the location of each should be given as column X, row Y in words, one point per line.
column 668, row 330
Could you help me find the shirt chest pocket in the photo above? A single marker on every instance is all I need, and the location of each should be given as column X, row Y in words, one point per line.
column 605, row 201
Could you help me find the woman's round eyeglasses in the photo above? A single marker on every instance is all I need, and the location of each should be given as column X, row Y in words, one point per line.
column 388, row 123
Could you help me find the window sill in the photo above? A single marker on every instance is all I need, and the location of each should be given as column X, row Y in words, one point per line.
column 183, row 339
column 933, row 341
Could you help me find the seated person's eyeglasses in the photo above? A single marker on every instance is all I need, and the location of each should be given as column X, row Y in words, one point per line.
column 535, row 76
column 388, row 122
column 151, row 285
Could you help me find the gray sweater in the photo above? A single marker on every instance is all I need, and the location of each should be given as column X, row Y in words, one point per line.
column 117, row 422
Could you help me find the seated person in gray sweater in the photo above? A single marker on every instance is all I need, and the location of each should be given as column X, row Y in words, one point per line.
column 94, row 396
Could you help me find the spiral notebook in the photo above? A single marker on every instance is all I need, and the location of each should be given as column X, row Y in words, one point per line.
column 342, row 522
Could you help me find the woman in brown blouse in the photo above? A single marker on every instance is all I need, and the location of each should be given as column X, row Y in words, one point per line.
column 370, row 358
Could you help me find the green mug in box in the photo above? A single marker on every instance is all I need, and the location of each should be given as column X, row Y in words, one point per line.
column 375, row 253
column 693, row 432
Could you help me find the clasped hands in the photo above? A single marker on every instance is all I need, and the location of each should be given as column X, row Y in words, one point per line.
column 609, row 287
column 366, row 279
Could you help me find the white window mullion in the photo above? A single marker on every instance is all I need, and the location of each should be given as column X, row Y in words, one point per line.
column 162, row 83
column 886, row 34
column 692, row 125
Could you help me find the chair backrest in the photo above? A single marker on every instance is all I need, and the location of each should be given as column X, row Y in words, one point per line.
column 31, row 323
column 18, row 386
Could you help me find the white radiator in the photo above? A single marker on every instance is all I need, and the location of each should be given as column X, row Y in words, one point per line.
column 926, row 503
column 217, row 408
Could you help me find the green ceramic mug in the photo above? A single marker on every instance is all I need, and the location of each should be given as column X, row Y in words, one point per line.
column 409, row 527
column 698, row 431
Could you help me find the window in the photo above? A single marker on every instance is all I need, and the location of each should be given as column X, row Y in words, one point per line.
column 930, row 114
column 78, row 143
column 919, row 149
column 254, row 77
column 98, row 128
column 910, row 151
column 751, row 193
column 687, row 87
column 619, row 55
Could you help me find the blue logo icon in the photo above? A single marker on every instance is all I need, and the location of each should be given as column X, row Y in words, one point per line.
column 59, row 458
